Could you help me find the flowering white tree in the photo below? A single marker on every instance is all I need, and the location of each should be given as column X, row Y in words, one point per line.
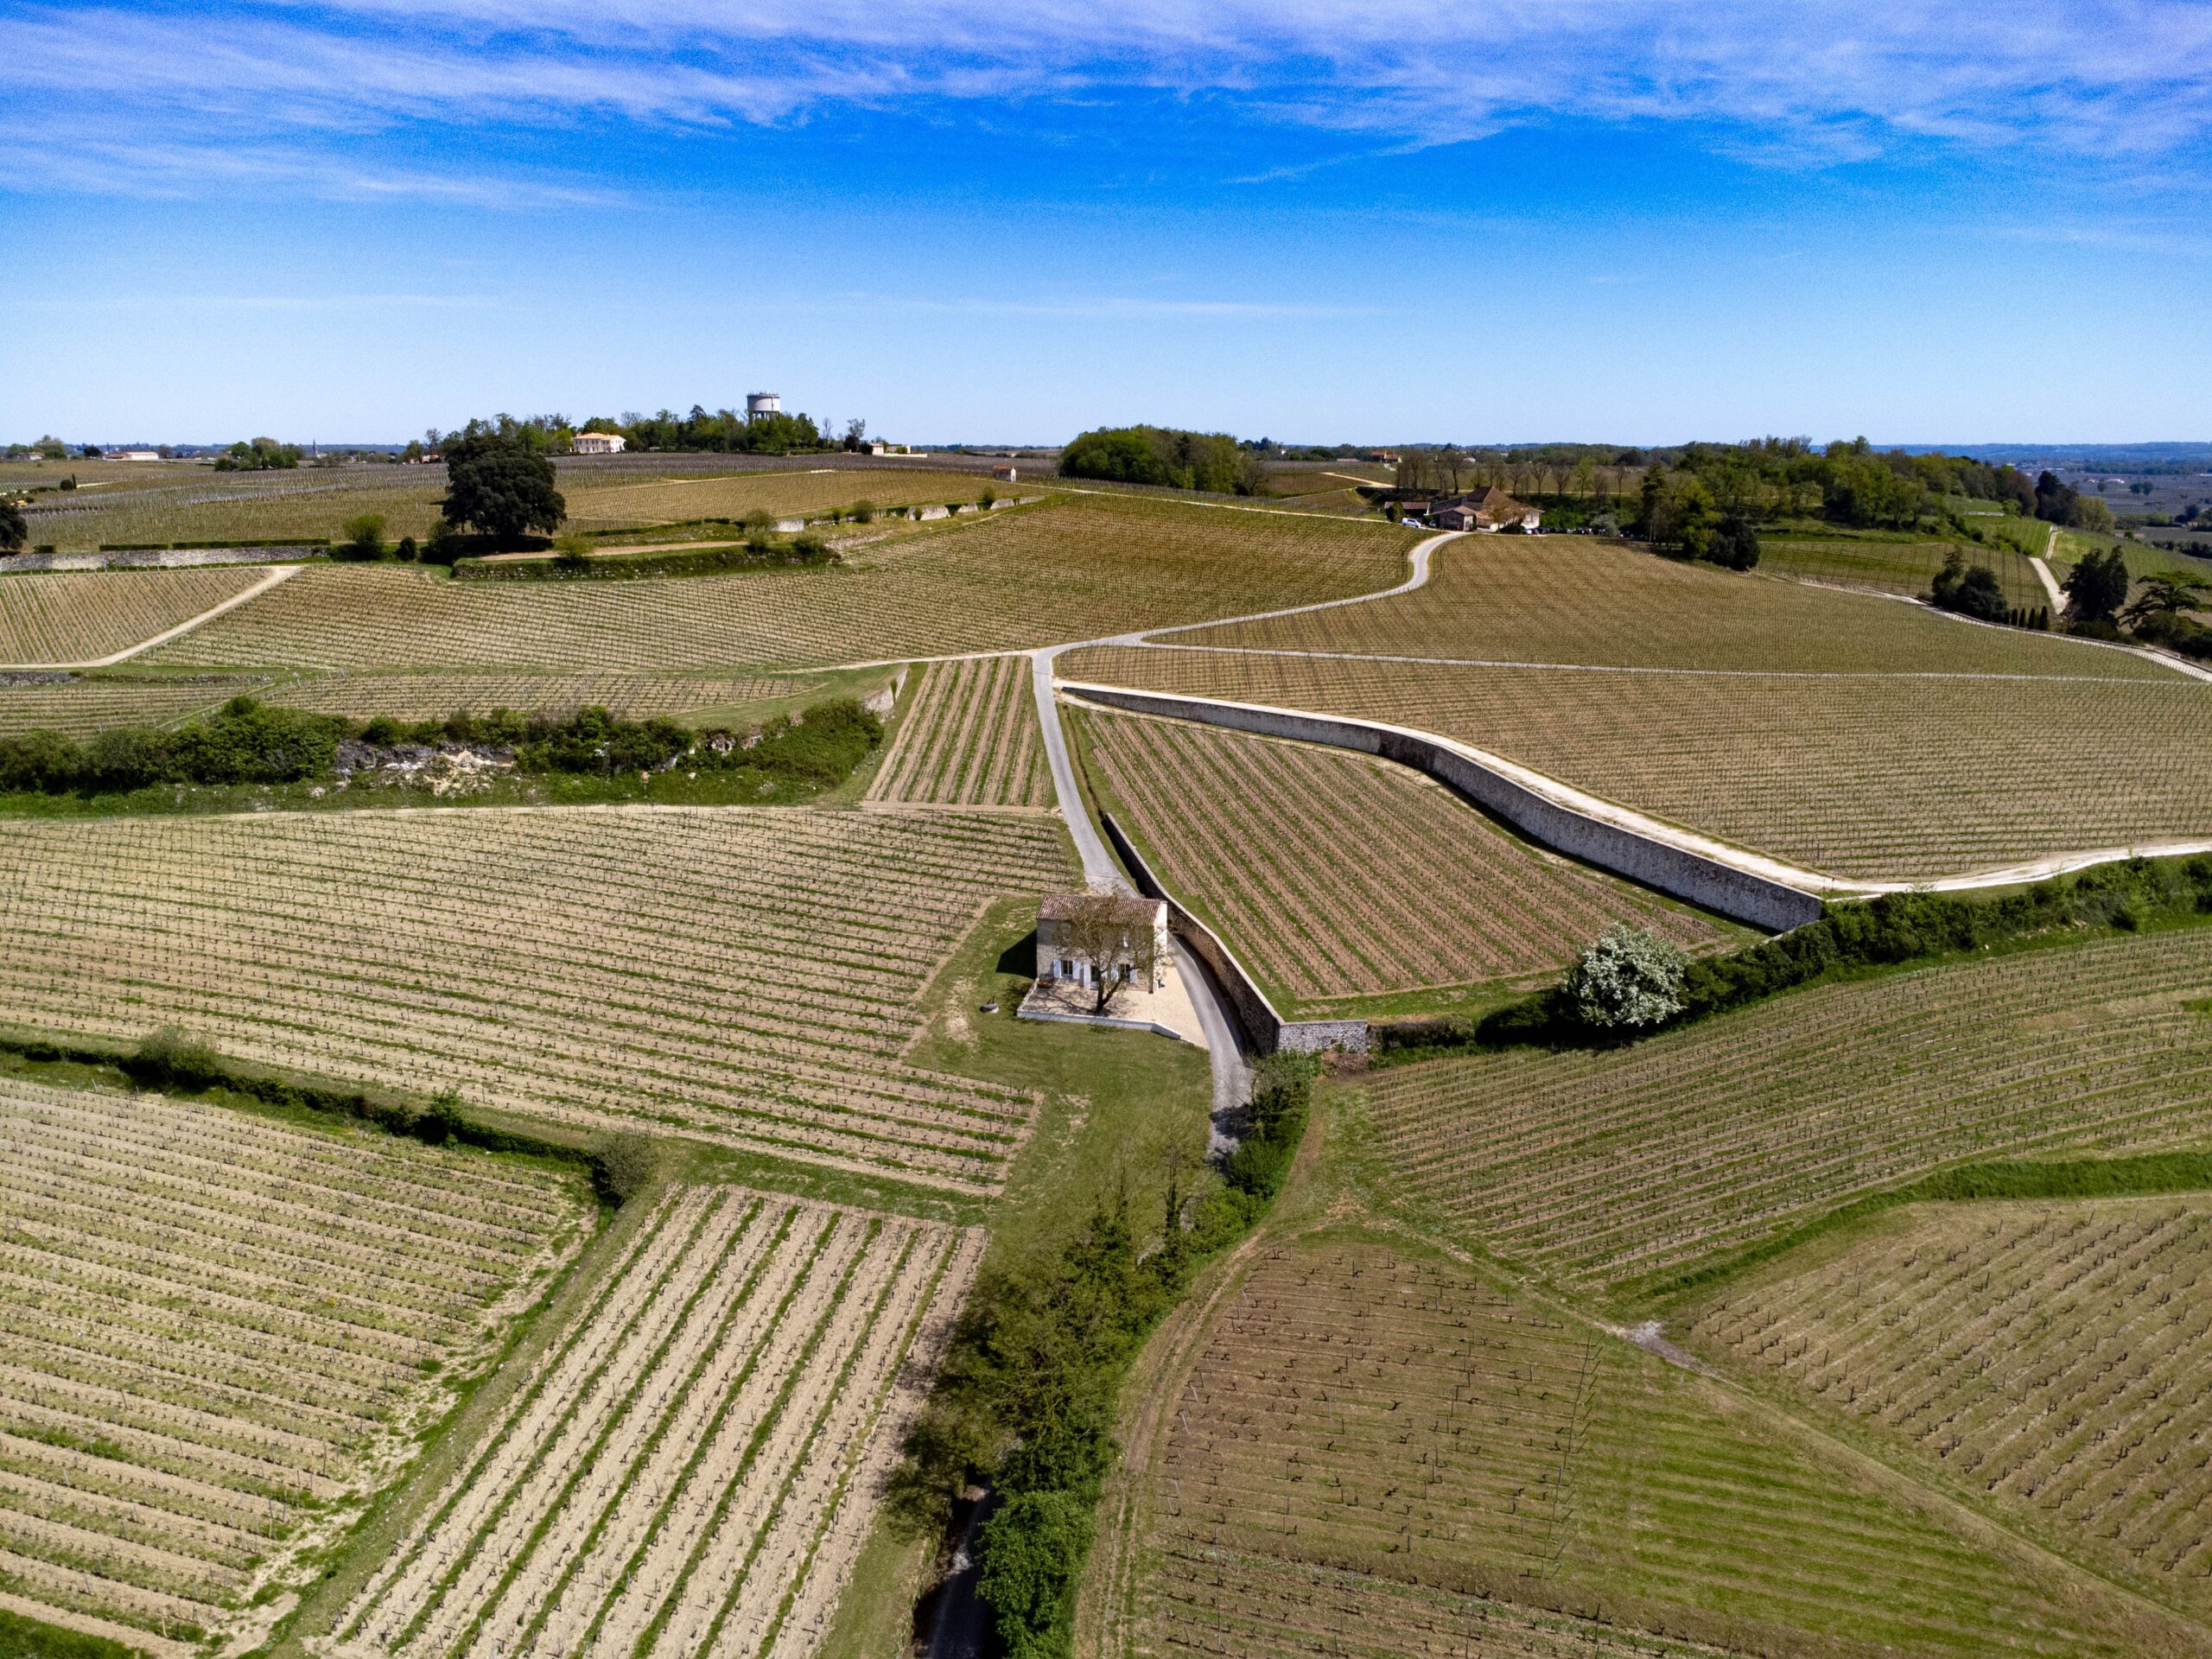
column 1628, row 977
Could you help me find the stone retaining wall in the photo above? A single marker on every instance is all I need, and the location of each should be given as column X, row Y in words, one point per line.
column 155, row 558
column 1267, row 1029
column 1673, row 870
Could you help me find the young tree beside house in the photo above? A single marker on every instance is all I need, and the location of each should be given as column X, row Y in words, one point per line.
column 1113, row 941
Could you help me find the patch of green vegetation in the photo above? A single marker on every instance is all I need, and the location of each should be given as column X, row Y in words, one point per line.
column 28, row 1638
column 1855, row 941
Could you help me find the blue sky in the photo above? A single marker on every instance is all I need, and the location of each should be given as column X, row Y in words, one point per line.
column 1531, row 219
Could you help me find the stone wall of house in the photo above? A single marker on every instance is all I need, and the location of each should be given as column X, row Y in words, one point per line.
column 1673, row 870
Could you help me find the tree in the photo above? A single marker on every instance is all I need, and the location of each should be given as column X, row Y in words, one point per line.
column 502, row 487
column 1033, row 1550
column 856, row 433
column 1679, row 512
column 258, row 456
column 2096, row 587
column 1155, row 454
column 364, row 537
column 13, row 531
column 1112, row 936
column 2054, row 500
column 1735, row 544
column 2167, row 592
column 1973, row 592
column 1629, row 979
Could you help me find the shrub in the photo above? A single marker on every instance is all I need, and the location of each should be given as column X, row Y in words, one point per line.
column 172, row 1059
column 1033, row 1551
column 445, row 544
column 1970, row 591
column 572, row 552
column 863, row 512
column 623, row 1164
column 1630, row 978
column 407, row 552
column 42, row 761
column 364, row 537
column 441, row 1121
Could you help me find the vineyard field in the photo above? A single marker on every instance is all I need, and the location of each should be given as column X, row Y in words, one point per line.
column 175, row 506
column 745, row 975
column 1233, row 1605
column 2051, row 1357
column 692, row 1468
column 84, row 708
column 1907, row 568
column 433, row 696
column 222, row 1335
column 79, row 617
column 1598, row 1167
column 617, row 503
column 179, row 506
column 1067, row 570
column 968, row 738
column 1541, row 600
column 1333, row 875
column 1876, row 777
column 1353, row 1411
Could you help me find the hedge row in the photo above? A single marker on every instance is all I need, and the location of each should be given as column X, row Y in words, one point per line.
column 1890, row 932
column 1027, row 1396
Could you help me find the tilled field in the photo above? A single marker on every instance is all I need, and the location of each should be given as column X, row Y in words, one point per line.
column 2055, row 1357
column 1873, row 776
column 1569, row 599
column 1355, row 1412
column 693, row 1469
column 1907, row 568
column 85, row 708
column 221, row 1334
column 433, row 696
column 1069, row 569
column 1595, row 1166
column 969, row 738
column 1332, row 874
column 1202, row 1599
column 745, row 975
column 613, row 502
column 81, row 616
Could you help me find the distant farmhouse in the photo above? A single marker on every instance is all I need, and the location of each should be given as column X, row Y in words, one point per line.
column 1005, row 474
column 134, row 454
column 597, row 443
column 1490, row 509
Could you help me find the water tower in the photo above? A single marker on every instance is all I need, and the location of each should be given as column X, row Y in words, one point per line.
column 759, row 405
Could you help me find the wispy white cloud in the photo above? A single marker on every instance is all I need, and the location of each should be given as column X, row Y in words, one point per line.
column 2105, row 82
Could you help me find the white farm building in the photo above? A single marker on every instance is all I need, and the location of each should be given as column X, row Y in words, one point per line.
column 597, row 444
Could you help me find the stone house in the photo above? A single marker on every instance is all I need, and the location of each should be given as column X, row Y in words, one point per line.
column 1490, row 509
column 1140, row 917
column 597, row 444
